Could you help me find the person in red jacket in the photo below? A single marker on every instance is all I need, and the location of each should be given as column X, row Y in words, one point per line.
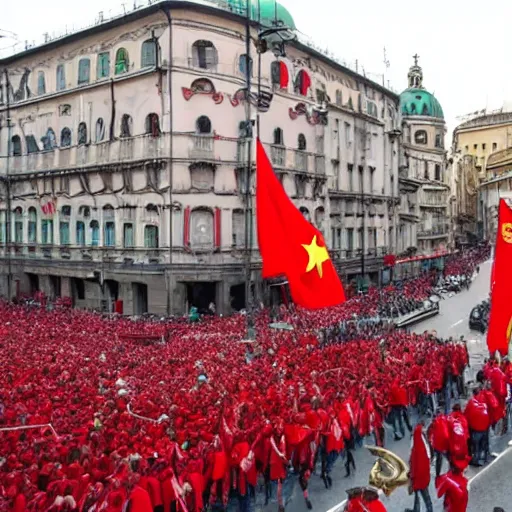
column 398, row 401
column 362, row 499
column 458, row 450
column 439, row 438
column 420, row 469
column 479, row 422
column 454, row 487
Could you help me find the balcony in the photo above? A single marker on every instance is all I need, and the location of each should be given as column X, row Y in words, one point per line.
column 278, row 155
column 435, row 232
column 301, row 161
column 201, row 147
column 320, row 164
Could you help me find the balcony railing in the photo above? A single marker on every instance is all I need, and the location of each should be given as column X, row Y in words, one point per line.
column 278, row 155
column 301, row 161
column 202, row 147
column 439, row 231
column 319, row 164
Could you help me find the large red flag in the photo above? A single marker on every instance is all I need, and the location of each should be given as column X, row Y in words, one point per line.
column 290, row 245
column 500, row 323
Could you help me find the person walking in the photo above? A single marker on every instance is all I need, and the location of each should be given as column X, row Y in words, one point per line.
column 420, row 469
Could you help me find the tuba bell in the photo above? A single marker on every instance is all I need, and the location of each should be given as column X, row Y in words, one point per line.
column 389, row 471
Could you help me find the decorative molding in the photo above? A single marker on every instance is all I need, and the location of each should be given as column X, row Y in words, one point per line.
column 313, row 115
column 205, row 87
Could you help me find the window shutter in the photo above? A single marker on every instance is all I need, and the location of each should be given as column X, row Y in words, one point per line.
column 186, row 227
column 217, row 238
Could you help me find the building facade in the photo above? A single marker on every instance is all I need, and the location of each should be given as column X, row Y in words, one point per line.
column 479, row 160
column 425, row 214
column 124, row 158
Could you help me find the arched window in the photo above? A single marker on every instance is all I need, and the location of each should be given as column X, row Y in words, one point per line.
column 65, row 211
column 32, row 146
column 128, row 235
column 320, row 218
column 204, row 55
column 279, row 74
column 302, row 142
column 95, row 233
column 103, row 65
column 65, row 138
column 420, row 137
column 47, row 231
column 148, row 54
column 41, row 83
column 152, row 125
column 203, row 125
column 18, row 225
column 82, row 134
column 122, row 62
column 278, row 137
column 242, row 64
column 64, row 231
column 84, row 211
column 439, row 140
column 302, row 83
column 238, row 228
column 84, row 71
column 109, row 226
column 32, row 225
column 151, row 237
column 202, row 86
column 100, row 129
column 305, row 212
column 49, row 140
column 61, row 77
column 201, row 229
column 339, row 98
column 80, row 232
column 126, row 125
column 16, row 145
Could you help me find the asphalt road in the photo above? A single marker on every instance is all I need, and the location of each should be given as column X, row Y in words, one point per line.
column 489, row 489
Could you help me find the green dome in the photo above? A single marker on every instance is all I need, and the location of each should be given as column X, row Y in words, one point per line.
column 419, row 102
column 270, row 11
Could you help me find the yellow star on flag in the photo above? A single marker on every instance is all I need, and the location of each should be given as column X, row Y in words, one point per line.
column 317, row 255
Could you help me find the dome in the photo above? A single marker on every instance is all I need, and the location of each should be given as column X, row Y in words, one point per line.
column 419, row 102
column 270, row 11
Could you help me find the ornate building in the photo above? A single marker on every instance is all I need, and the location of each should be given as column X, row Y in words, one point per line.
column 124, row 157
column 425, row 216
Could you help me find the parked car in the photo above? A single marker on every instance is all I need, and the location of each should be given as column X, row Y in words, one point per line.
column 479, row 318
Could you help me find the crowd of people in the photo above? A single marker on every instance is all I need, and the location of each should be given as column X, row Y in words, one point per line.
column 97, row 415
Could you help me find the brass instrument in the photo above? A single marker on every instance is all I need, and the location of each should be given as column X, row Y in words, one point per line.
column 389, row 471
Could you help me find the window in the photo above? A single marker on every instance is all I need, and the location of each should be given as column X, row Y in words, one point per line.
column 361, row 178
column 204, row 55
column 151, row 237
column 494, row 146
column 47, row 231
column 439, row 141
column 278, row 137
column 360, row 238
column 484, row 146
column 64, row 232
column 348, row 135
column 95, row 233
column 128, row 238
column 122, row 62
column 2, row 226
column 321, row 96
column 18, row 225
column 49, row 140
column 84, row 211
column 350, row 172
column 438, row 172
column 203, row 125
column 302, row 142
column 82, row 134
column 126, row 125
column 61, row 77
column 279, row 74
column 80, row 233
column 242, row 65
column 202, row 177
column 16, row 145
column 339, row 98
column 372, row 179
column 152, row 125
column 103, row 65
column 148, row 54
column 41, row 83
column 65, row 138
column 84, row 71
column 109, row 234
column 475, row 146
column 420, row 137
column 305, row 213
column 32, row 146
column 350, row 239
column 201, row 229
column 32, row 225
column 302, row 83
column 426, row 174
column 100, row 129
column 238, row 228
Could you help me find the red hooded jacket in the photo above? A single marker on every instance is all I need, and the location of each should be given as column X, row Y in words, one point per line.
column 420, row 460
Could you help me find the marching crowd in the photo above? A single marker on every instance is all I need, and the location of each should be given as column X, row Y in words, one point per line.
column 93, row 418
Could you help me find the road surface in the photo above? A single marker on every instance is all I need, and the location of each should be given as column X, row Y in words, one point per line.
column 488, row 489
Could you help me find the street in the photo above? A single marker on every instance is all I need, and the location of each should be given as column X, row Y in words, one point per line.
column 489, row 489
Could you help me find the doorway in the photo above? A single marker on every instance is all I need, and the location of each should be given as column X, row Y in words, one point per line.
column 111, row 290
column 54, row 287
column 237, row 297
column 140, row 298
column 33, row 283
column 201, row 295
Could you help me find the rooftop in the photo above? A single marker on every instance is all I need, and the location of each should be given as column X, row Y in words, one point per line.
column 486, row 120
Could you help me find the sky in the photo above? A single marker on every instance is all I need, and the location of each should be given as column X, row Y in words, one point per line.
column 465, row 48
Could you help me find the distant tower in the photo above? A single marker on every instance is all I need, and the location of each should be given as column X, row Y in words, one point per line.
column 415, row 75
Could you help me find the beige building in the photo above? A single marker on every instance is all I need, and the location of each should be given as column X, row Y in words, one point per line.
column 425, row 217
column 477, row 157
column 123, row 158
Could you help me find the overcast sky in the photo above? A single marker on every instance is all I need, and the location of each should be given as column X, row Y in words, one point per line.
column 465, row 48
